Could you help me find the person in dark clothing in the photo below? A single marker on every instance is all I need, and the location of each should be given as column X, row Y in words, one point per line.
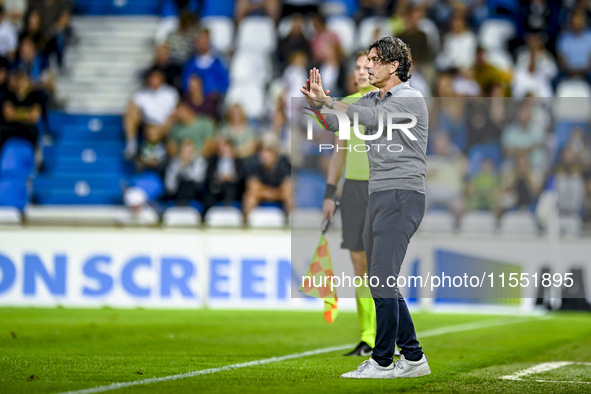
column 270, row 182
column 225, row 176
column 172, row 72
column 33, row 29
column 21, row 110
column 294, row 42
column 185, row 175
column 55, row 18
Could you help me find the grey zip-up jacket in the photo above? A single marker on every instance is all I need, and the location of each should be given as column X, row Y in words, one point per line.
column 399, row 163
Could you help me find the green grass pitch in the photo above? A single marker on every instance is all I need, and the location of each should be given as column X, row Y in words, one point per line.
column 59, row 350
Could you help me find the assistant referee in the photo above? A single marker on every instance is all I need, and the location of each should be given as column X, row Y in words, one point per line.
column 353, row 205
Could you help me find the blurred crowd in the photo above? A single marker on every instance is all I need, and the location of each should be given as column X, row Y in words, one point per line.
column 33, row 36
column 493, row 145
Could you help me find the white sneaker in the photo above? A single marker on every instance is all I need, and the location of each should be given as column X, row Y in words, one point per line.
column 370, row 369
column 411, row 369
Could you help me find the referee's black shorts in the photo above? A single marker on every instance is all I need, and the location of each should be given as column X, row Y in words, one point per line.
column 353, row 206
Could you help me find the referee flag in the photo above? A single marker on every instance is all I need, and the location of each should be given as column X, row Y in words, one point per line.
column 317, row 281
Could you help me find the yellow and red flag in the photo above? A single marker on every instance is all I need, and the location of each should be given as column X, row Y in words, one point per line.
column 317, row 281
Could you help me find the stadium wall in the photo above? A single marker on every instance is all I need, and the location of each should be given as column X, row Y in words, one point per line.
column 156, row 268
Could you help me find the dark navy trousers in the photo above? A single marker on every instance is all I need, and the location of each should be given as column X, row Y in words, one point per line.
column 393, row 216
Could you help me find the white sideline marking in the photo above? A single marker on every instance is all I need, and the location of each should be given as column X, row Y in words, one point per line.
column 425, row 334
column 544, row 367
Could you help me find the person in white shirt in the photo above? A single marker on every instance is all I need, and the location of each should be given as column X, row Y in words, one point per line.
column 535, row 69
column 8, row 36
column 151, row 106
column 459, row 46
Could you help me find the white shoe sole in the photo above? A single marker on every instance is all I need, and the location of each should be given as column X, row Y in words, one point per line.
column 415, row 373
column 369, row 377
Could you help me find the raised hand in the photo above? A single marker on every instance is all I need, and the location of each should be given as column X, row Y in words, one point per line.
column 313, row 88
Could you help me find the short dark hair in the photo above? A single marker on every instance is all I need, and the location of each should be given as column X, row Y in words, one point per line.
column 391, row 50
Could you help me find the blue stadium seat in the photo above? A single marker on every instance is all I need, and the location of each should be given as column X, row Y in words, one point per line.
column 58, row 119
column 71, row 197
column 150, row 182
column 13, row 193
column 342, row 7
column 218, row 8
column 310, row 189
column 117, row 7
column 481, row 151
column 17, row 159
column 43, row 183
column 77, row 189
column 95, row 164
column 84, row 149
column 82, row 133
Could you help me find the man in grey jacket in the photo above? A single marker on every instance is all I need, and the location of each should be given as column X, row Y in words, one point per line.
column 396, row 120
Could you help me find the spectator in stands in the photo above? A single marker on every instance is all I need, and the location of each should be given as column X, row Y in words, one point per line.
column 172, row 72
column 151, row 105
column 333, row 70
column 279, row 126
column 535, row 69
column 207, row 66
column 35, row 65
column 292, row 77
column 323, row 40
column 486, row 119
column 521, row 185
column 22, row 109
column 185, row 175
column 244, row 8
column 525, row 138
column 368, row 8
column 201, row 103
column 181, row 43
column 573, row 47
column 303, row 7
column 570, row 185
column 540, row 16
column 55, row 15
column 8, row 36
column 294, row 42
column 448, row 112
column 225, row 176
column 15, row 9
column 153, row 155
column 482, row 191
column 577, row 149
column 485, row 73
column 190, row 126
column 237, row 130
column 170, row 15
column 459, row 46
column 416, row 38
column 445, row 175
column 34, row 30
column 271, row 180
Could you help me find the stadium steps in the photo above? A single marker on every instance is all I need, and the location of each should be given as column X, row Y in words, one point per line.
column 104, row 64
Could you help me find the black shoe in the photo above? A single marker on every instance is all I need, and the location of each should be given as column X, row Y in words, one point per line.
column 362, row 349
